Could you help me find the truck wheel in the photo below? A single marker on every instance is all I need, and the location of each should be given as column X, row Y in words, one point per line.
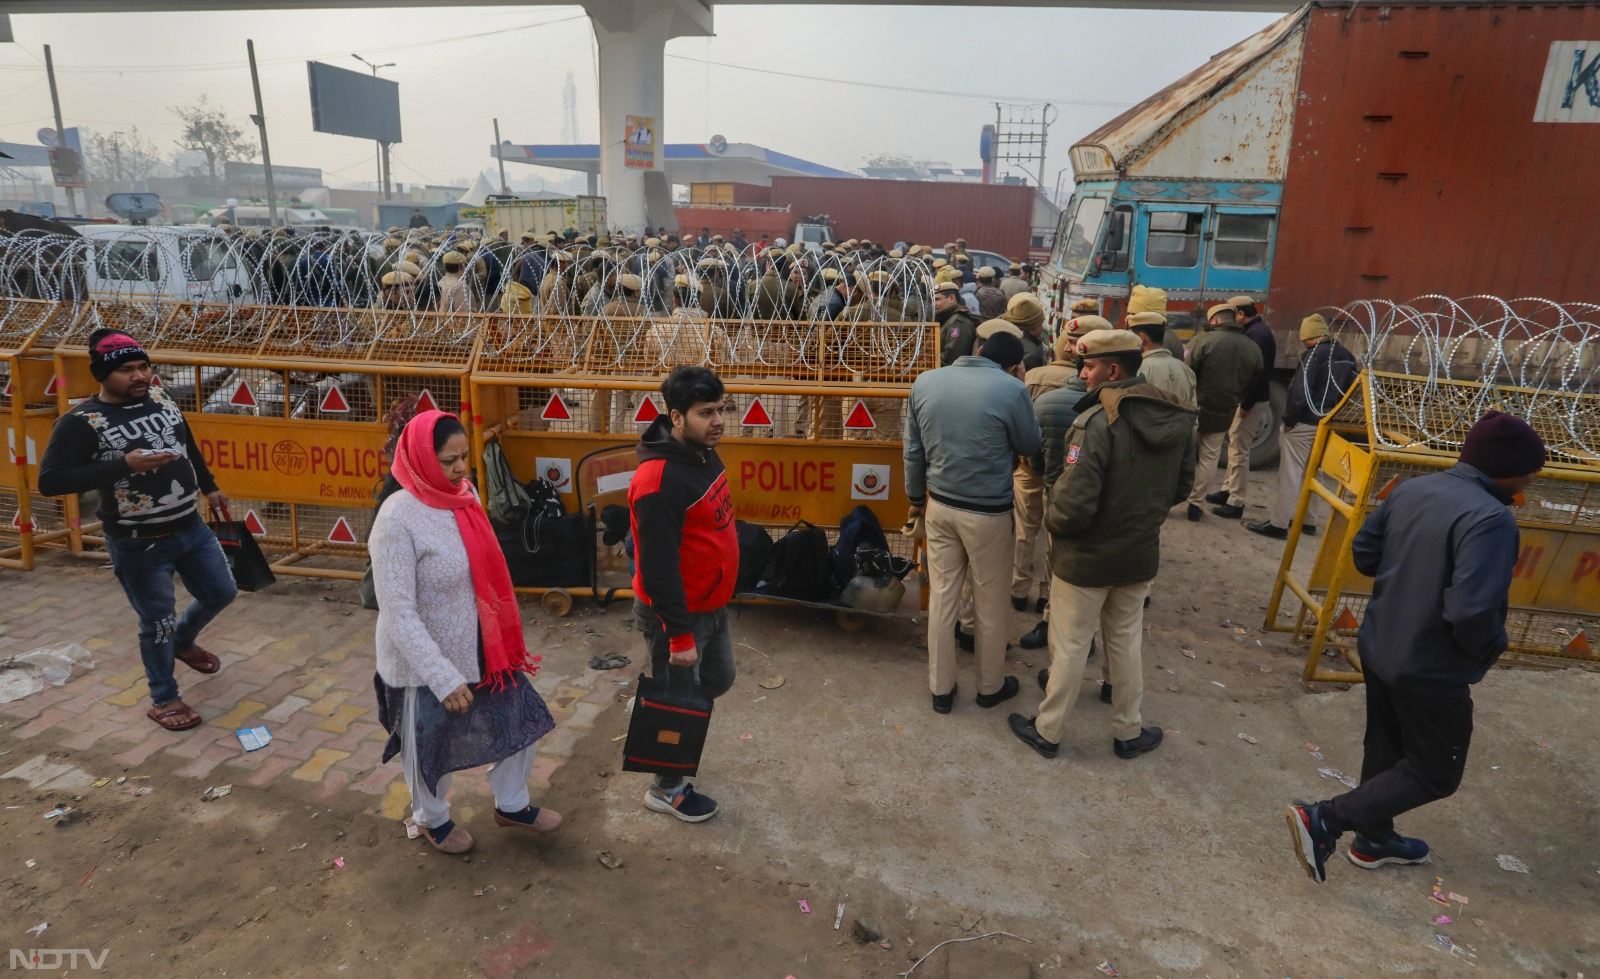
column 1264, row 454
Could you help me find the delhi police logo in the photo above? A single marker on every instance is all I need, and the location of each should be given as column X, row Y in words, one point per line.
column 869, row 482
column 554, row 474
column 1072, row 455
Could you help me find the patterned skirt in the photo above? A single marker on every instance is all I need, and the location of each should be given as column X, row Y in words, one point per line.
column 497, row 725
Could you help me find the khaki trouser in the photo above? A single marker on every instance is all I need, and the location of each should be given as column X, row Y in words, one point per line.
column 1028, row 513
column 1205, row 467
column 1075, row 613
column 1241, row 436
column 1294, row 454
column 962, row 543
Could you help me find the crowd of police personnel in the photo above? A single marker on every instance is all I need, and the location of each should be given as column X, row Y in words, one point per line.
column 648, row 275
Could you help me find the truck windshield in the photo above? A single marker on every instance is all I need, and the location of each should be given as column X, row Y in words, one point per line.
column 1078, row 244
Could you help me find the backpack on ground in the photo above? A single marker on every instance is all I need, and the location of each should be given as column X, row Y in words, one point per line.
column 859, row 529
column 755, row 550
column 800, row 565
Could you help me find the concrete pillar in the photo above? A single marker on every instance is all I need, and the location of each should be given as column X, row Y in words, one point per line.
column 632, row 36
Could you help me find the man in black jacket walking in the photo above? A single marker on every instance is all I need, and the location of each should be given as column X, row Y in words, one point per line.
column 1441, row 550
column 130, row 443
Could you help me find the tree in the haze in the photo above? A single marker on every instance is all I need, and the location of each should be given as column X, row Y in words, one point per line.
column 206, row 130
column 120, row 160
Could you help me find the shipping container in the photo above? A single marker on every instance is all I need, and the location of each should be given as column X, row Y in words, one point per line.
column 993, row 217
column 729, row 193
column 1351, row 152
column 724, row 220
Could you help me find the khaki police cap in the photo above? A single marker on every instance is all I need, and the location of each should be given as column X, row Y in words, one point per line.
column 1216, row 311
column 1081, row 325
column 878, row 277
column 851, row 243
column 468, row 246
column 710, row 264
column 896, row 253
column 793, row 249
column 561, row 256
column 409, row 268
column 989, row 328
column 397, row 278
column 652, row 242
column 1014, row 267
column 830, row 275
column 680, row 281
column 391, row 243
column 1085, row 306
column 453, row 259
column 393, row 229
column 1241, row 301
column 987, row 272
column 1147, row 319
column 948, row 286
column 718, row 239
column 532, row 235
column 1104, row 343
column 939, row 263
column 630, row 282
column 962, row 242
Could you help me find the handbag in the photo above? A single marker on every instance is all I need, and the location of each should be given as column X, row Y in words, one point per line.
column 251, row 572
column 668, row 729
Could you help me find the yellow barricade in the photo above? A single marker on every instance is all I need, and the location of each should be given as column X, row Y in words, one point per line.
column 289, row 407
column 1388, row 429
column 813, row 428
column 29, row 329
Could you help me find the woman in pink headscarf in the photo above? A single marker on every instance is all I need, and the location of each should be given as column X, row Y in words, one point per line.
column 455, row 684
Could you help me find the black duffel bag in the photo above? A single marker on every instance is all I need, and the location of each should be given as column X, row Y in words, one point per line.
column 547, row 551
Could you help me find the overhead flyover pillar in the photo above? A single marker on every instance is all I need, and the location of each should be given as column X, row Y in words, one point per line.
column 632, row 36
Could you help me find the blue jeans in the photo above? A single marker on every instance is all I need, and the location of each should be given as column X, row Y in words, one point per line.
column 714, row 670
column 145, row 568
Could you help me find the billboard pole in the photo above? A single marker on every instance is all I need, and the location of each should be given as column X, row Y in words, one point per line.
column 385, row 161
column 61, row 130
column 500, row 158
column 260, row 119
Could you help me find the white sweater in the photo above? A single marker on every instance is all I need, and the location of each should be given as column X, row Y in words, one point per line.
column 428, row 613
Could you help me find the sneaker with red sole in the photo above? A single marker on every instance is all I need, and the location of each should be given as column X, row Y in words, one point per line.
column 1397, row 849
column 1312, row 841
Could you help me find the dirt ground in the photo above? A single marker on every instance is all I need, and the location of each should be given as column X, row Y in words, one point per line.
column 841, row 787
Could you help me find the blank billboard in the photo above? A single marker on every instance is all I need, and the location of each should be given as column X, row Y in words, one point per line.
column 353, row 103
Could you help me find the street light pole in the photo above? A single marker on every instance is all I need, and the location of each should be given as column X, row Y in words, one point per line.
column 383, row 148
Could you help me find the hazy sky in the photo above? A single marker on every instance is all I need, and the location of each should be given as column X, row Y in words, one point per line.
column 458, row 68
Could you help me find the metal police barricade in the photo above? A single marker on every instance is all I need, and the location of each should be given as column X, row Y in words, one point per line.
column 292, row 407
column 1390, row 427
column 814, row 410
column 29, row 330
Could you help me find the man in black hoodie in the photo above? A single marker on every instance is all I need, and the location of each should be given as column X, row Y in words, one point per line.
column 686, row 554
column 130, row 443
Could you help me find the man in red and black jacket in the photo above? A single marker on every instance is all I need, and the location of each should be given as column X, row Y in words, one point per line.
column 686, row 555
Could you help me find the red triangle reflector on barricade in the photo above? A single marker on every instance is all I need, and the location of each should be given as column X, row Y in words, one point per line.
column 253, row 524
column 860, row 417
column 756, row 415
column 1388, row 487
column 6, row 392
column 341, row 533
column 556, row 409
column 425, row 402
column 647, row 413
column 1346, row 619
column 243, row 396
column 54, row 385
column 334, row 401
column 1579, row 643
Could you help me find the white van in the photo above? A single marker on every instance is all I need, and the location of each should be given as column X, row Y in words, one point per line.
column 127, row 263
